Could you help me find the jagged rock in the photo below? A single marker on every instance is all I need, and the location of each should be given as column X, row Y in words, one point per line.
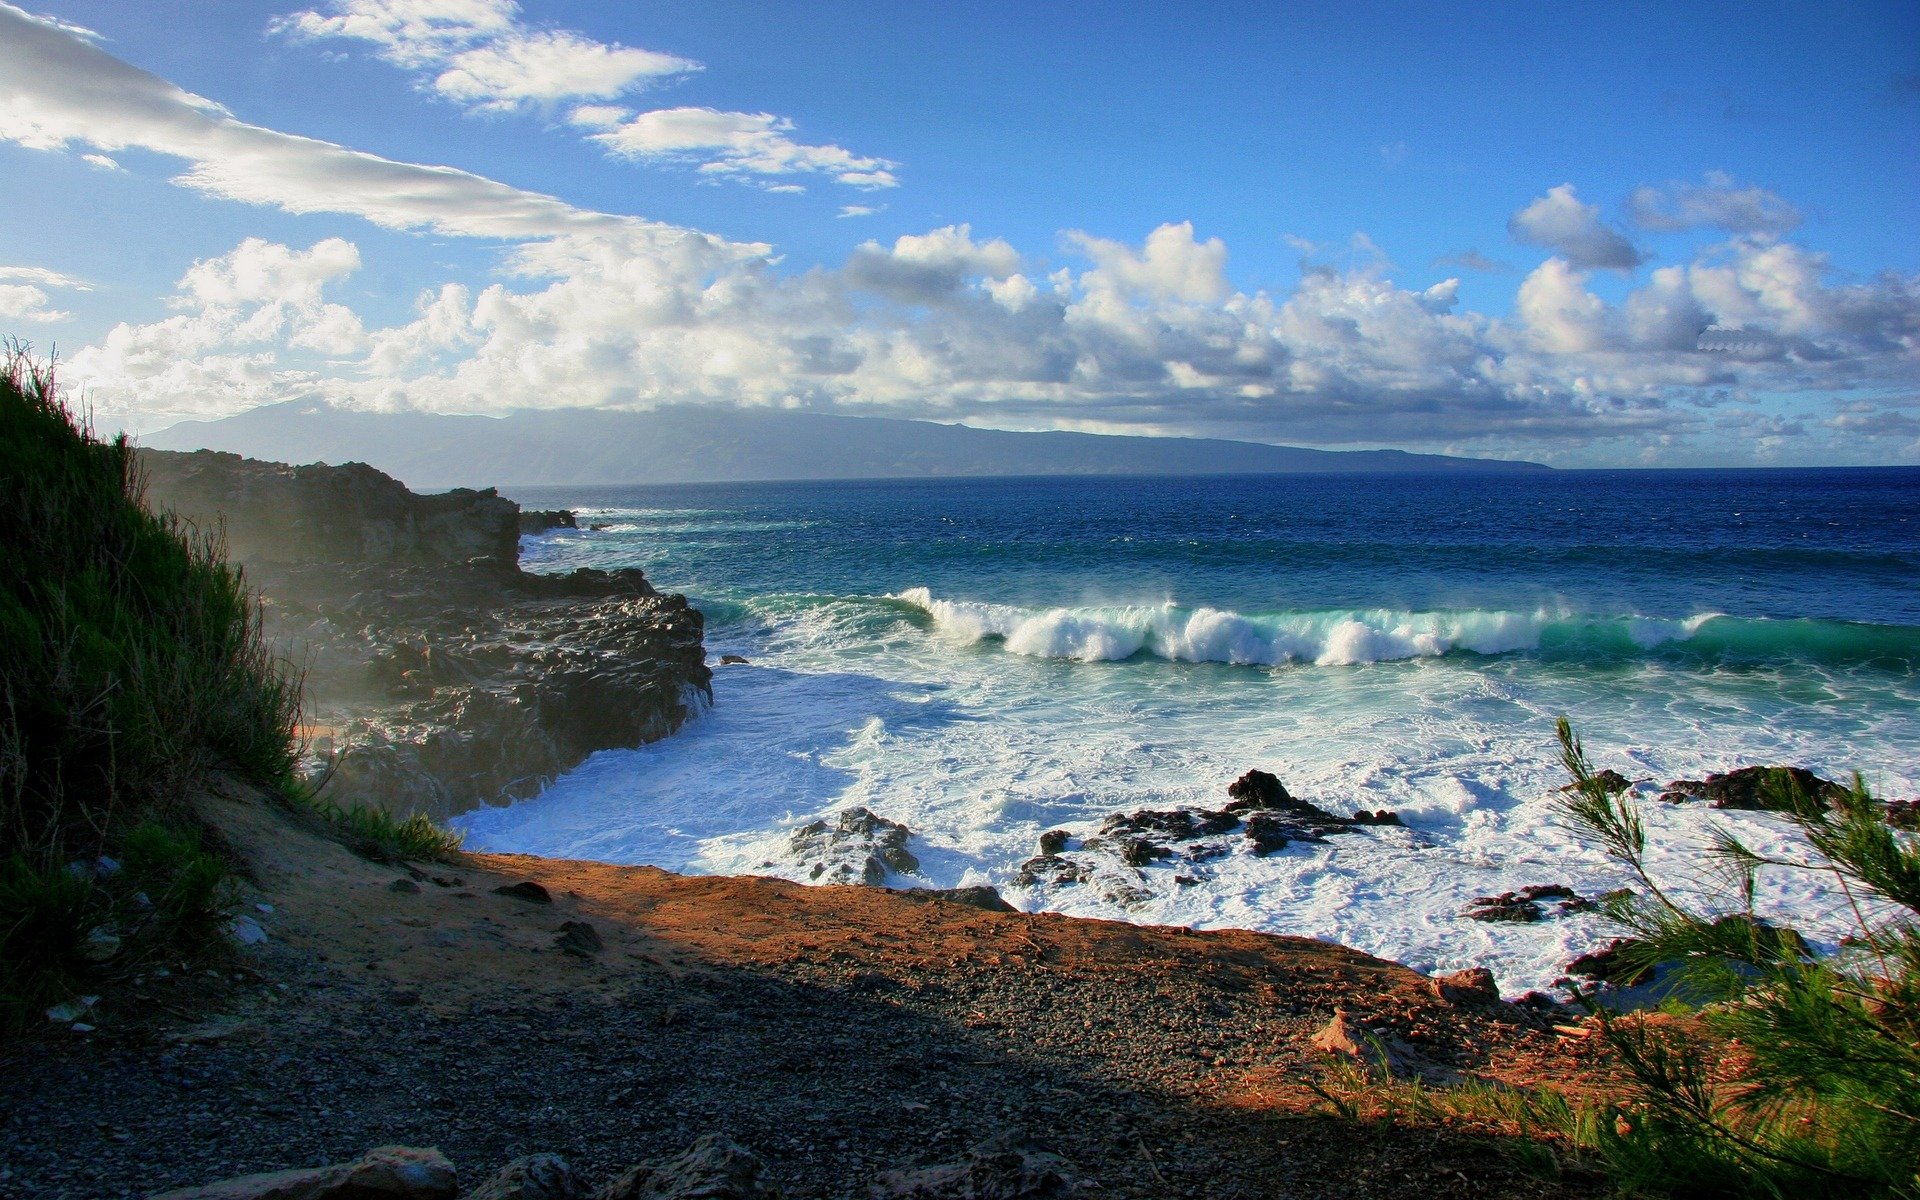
column 535, row 1177
column 273, row 512
column 1524, row 905
column 1052, row 869
column 713, row 1168
column 1904, row 814
column 1620, row 962
column 1255, row 790
column 1003, row 1168
column 980, row 896
column 456, row 679
column 858, row 847
column 1750, row 788
column 535, row 521
column 1266, row 833
column 526, row 890
column 732, row 660
column 1613, row 963
column 1611, row 782
column 388, row 1173
column 1475, row 985
column 1385, row 816
column 1053, row 841
column 578, row 939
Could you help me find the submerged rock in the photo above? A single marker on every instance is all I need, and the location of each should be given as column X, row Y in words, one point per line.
column 1611, row 782
column 1526, row 904
column 858, row 847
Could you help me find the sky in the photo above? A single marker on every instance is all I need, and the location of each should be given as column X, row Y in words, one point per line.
column 1590, row 235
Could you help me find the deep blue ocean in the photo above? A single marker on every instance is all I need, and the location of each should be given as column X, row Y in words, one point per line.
column 986, row 659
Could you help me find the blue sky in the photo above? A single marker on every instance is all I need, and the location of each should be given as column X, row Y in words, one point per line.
column 1495, row 230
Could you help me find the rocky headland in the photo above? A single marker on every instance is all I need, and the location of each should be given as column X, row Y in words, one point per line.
column 439, row 675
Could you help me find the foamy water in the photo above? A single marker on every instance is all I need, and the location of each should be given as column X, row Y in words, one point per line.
column 968, row 706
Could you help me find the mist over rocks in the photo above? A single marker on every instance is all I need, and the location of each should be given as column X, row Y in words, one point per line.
column 440, row 676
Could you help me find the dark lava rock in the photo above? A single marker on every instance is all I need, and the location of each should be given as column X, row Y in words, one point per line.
column 1257, row 789
column 1178, row 825
column 578, row 939
column 1525, row 904
column 1385, row 816
column 1904, row 814
column 1620, row 963
column 1000, row 1169
column 1266, row 832
column 858, row 847
column 732, row 660
column 1053, row 841
column 1053, row 869
column 1611, row 782
column 541, row 520
column 535, row 1177
column 1761, row 789
column 980, row 896
column 526, row 890
column 713, row 1168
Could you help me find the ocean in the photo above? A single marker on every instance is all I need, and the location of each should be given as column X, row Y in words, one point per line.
column 984, row 660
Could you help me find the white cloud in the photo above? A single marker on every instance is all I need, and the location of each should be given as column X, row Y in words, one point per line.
column 861, row 210
column 1560, row 222
column 738, row 144
column 101, row 161
column 23, row 294
column 479, row 53
column 1716, row 202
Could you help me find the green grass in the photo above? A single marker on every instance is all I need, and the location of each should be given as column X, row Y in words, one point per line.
column 134, row 671
column 376, row 834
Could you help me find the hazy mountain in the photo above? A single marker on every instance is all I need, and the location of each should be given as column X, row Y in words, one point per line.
column 693, row 445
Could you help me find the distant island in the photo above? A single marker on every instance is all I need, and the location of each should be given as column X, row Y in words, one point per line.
column 688, row 444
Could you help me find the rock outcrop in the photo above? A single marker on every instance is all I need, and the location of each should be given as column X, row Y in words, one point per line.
column 857, row 847
column 272, row 512
column 1754, row 788
column 440, row 676
column 1260, row 811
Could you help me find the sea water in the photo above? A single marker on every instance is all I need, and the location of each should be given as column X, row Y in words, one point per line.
column 983, row 660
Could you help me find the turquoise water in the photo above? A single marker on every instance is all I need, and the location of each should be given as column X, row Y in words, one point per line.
column 984, row 660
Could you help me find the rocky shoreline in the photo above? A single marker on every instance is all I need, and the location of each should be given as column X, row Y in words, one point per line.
column 440, row 676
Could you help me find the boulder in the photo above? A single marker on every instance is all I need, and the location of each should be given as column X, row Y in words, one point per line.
column 980, row 896
column 1003, row 1168
column 1611, row 782
column 857, row 847
column 578, row 939
column 1473, row 986
column 1053, row 841
column 1526, row 905
column 535, row 1177
column 387, row 1173
column 713, row 1168
column 1255, row 790
column 1752, row 788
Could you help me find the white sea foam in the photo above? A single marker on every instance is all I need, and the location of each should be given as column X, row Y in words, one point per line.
column 852, row 702
column 1330, row 638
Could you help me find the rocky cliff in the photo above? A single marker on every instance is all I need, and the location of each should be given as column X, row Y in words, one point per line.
column 440, row 676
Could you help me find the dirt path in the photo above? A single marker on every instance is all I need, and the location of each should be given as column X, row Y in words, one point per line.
column 837, row 1031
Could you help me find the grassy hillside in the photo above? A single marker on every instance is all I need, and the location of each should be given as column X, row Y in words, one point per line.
column 131, row 668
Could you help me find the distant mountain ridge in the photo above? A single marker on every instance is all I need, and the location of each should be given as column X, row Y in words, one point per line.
column 729, row 445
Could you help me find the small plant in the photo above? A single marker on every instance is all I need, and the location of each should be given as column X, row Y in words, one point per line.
column 1812, row 1083
column 46, row 913
column 374, row 833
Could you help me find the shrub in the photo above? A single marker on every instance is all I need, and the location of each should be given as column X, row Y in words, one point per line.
column 376, row 834
column 1810, row 1084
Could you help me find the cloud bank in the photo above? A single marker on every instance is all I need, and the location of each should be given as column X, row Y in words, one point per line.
column 598, row 309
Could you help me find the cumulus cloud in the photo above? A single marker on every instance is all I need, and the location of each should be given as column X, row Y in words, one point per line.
column 479, row 53
column 595, row 309
column 738, row 144
column 1473, row 260
column 1716, row 202
column 1560, row 222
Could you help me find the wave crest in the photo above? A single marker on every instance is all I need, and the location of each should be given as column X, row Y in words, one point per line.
column 1347, row 637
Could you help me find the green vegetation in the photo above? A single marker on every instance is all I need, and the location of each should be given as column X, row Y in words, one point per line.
column 1768, row 1072
column 1811, row 1083
column 376, row 834
column 133, row 670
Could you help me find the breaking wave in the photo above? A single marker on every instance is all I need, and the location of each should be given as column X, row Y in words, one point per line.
column 1340, row 637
